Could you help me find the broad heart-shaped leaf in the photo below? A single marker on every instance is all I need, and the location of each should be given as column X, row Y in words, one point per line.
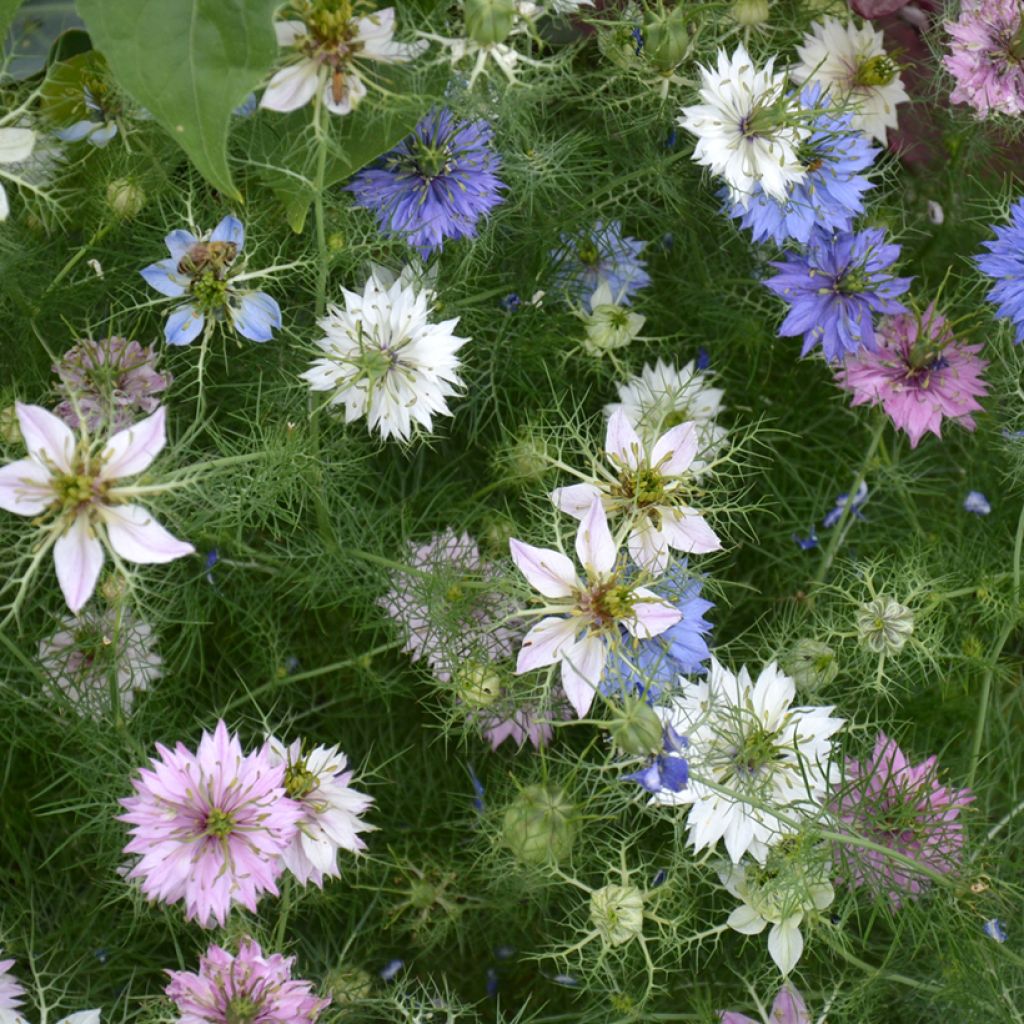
column 8, row 9
column 189, row 63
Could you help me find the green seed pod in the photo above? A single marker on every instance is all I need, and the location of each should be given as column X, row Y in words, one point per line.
column 635, row 728
column 812, row 664
column 125, row 198
column 666, row 38
column 617, row 912
column 884, row 624
column 489, row 21
column 479, row 686
column 348, row 984
column 540, row 825
column 749, row 12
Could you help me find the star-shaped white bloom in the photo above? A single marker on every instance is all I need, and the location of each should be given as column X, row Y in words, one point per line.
column 850, row 62
column 596, row 605
column 319, row 782
column 648, row 486
column 76, row 490
column 332, row 63
column 384, row 359
column 749, row 752
column 779, row 903
column 746, row 127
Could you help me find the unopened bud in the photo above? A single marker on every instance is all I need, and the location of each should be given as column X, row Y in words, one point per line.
column 667, row 38
column 635, row 728
column 617, row 912
column 113, row 588
column 125, row 198
column 489, row 21
column 479, row 686
column 812, row 664
column 347, row 984
column 749, row 12
column 540, row 825
column 884, row 624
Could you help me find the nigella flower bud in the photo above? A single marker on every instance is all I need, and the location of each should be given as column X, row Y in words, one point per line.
column 540, row 825
column 347, row 984
column 884, row 625
column 477, row 685
column 125, row 198
column 617, row 912
column 667, row 38
column 10, row 432
column 489, row 21
column 811, row 664
column 635, row 728
column 749, row 12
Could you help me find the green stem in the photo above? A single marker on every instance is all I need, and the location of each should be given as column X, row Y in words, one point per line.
column 282, row 918
column 877, row 972
column 73, row 262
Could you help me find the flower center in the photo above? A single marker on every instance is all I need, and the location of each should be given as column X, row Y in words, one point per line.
column 299, row 781
column 330, row 23
column 429, row 161
column 646, row 487
column 755, row 752
column 608, row 603
column 220, row 824
column 74, row 490
column 854, row 281
column 875, row 71
column 242, row 1009
column 376, row 363
column 588, row 253
column 209, row 291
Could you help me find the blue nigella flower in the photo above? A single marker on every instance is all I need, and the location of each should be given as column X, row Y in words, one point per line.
column 1004, row 263
column 98, row 127
column 200, row 270
column 807, row 543
column 860, row 498
column 977, row 503
column 649, row 667
column 659, row 878
column 830, row 195
column 994, row 930
column 667, row 770
column 601, row 255
column 511, row 302
column 836, row 287
column 478, row 789
column 390, row 969
column 638, row 40
column 435, row 184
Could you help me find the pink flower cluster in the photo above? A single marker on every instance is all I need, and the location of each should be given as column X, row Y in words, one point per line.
column 987, row 56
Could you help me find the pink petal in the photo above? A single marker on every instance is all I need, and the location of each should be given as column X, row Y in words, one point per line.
column 622, row 441
column 732, row 1017
column 78, row 558
column 545, row 643
column 789, row 1007
column 648, row 548
column 582, row 668
column 685, row 530
column 133, row 449
column 677, row 447
column 25, row 488
column 49, row 441
column 576, row 500
column 651, row 615
column 594, row 545
column 549, row 572
column 134, row 534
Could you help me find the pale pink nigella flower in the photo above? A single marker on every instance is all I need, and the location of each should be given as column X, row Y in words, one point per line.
column 110, row 383
column 919, row 373
column 606, row 598
column 11, row 994
column 249, row 988
column 448, row 607
column 788, row 1008
column 318, row 783
column 904, row 808
column 987, row 56
column 89, row 649
column 650, row 486
column 76, row 490
column 210, row 827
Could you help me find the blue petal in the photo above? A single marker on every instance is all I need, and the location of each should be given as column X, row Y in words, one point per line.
column 164, row 277
column 179, row 242
column 183, row 325
column 649, row 778
column 675, row 771
column 75, row 132
column 230, row 229
column 256, row 316
column 101, row 136
column 247, row 107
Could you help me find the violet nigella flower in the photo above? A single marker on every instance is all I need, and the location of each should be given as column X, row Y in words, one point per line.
column 1004, row 263
column 834, row 289
column 919, row 373
column 438, row 183
column 601, row 255
column 251, row 987
column 987, row 56
column 210, row 827
column 201, row 271
column 903, row 807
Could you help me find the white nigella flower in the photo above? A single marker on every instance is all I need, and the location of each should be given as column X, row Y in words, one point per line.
column 745, row 738
column 76, row 490
column 648, row 485
column 81, row 656
column 851, row 63
column 781, row 900
column 16, row 145
column 384, row 359
column 318, row 781
column 329, row 47
column 662, row 396
column 597, row 605
column 608, row 325
column 746, row 127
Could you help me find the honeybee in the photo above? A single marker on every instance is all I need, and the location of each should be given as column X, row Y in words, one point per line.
column 216, row 256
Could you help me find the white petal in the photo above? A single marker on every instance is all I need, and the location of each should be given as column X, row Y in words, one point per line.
column 25, row 488
column 652, row 615
column 82, row 1017
column 133, row 449
column 582, row 668
column 786, row 943
column 576, row 499
column 549, row 572
column 292, row 87
column 746, row 921
column 49, row 441
column 289, row 31
column 623, row 442
column 677, row 447
column 545, row 643
column 16, row 144
column 78, row 558
column 686, row 530
column 648, row 547
column 5, row 206
column 134, row 534
column 594, row 545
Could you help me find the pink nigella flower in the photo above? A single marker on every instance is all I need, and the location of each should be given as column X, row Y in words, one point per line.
column 596, row 606
column 11, row 994
column 788, row 1008
column 448, row 607
column 210, row 827
column 250, row 988
column 77, row 491
column 920, row 374
column 987, row 58
column 903, row 807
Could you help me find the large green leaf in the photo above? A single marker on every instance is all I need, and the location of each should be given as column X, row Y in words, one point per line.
column 8, row 9
column 189, row 63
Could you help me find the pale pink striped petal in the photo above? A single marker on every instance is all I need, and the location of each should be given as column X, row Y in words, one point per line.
column 545, row 643
column 134, row 534
column 789, row 1007
column 582, row 668
column 78, row 558
column 652, row 615
column 549, row 572
column 575, row 500
column 594, row 545
column 648, row 547
column 622, row 441
column 675, row 450
column 25, row 488
column 48, row 440
column 686, row 530
column 133, row 449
